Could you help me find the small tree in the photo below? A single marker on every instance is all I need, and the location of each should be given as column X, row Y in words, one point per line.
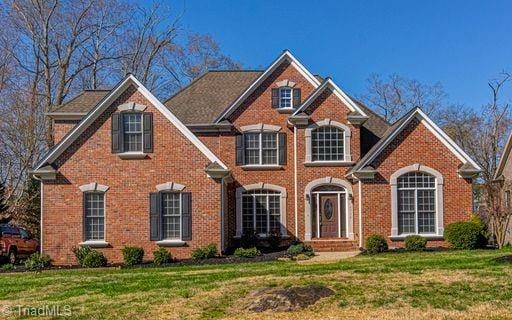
column 499, row 212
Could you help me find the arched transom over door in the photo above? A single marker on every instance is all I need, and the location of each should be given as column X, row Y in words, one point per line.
column 328, row 209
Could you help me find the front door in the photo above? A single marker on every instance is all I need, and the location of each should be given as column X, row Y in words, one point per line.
column 328, row 215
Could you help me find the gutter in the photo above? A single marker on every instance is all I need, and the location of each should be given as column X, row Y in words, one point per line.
column 295, row 181
column 210, row 127
column 65, row 115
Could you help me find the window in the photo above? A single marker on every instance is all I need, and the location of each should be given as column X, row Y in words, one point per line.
column 261, row 148
column 285, row 97
column 261, row 211
column 328, row 144
column 416, row 203
column 132, row 132
column 171, row 215
column 94, row 218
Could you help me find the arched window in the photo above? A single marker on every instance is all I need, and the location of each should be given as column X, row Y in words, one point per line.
column 328, row 144
column 416, row 203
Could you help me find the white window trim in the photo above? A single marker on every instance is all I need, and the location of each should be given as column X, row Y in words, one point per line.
column 177, row 239
column 291, row 98
column 261, row 128
column 258, row 186
column 133, row 154
column 131, row 106
column 439, row 207
column 94, row 187
column 347, row 135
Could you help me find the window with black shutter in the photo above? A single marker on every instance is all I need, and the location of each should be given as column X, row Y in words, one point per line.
column 132, row 132
column 170, row 216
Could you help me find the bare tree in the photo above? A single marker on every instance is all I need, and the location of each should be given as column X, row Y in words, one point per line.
column 483, row 135
column 396, row 95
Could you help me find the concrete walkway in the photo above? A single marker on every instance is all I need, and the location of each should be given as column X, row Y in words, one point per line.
column 327, row 257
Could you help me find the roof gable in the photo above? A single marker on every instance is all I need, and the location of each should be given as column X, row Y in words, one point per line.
column 504, row 157
column 329, row 84
column 285, row 56
column 104, row 103
column 402, row 123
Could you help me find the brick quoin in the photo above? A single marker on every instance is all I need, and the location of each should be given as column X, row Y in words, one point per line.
column 176, row 159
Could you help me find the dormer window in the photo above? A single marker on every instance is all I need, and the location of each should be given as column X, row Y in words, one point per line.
column 285, row 97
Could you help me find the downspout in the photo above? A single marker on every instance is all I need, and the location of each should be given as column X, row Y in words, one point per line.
column 41, row 210
column 295, row 180
column 222, row 204
column 360, row 209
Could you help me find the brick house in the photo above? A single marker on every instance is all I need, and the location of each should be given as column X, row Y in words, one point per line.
column 275, row 150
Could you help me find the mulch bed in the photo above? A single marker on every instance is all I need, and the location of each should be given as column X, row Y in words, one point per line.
column 287, row 299
column 506, row 259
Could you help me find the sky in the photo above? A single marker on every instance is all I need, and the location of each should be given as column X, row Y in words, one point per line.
column 461, row 44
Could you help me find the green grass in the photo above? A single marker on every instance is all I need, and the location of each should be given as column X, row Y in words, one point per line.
column 445, row 284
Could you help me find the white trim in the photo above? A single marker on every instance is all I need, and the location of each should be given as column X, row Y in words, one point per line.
column 285, row 83
column 132, row 155
column 337, row 92
column 106, row 102
column 285, row 56
column 131, row 106
column 94, row 243
column 347, row 141
column 432, row 127
column 504, row 157
column 295, row 182
column 170, row 186
column 93, row 187
column 171, row 243
column 360, row 211
column 439, row 199
column 260, row 127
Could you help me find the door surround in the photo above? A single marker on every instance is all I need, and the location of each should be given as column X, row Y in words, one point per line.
column 308, row 200
column 317, row 210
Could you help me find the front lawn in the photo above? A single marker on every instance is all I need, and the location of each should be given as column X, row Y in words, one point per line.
column 427, row 285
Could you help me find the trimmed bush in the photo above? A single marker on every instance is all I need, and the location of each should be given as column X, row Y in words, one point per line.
column 295, row 249
column 249, row 239
column 415, row 243
column 37, row 262
column 81, row 253
column 94, row 259
column 210, row 251
column 247, row 253
column 132, row 255
column 308, row 251
column 464, row 235
column 376, row 244
column 162, row 256
column 274, row 239
column 8, row 267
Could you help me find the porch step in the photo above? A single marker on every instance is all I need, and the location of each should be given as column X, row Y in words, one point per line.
column 333, row 245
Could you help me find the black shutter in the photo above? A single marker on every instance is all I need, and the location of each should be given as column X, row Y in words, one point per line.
column 240, row 150
column 155, row 216
column 296, row 98
column 84, row 229
column 282, row 148
column 186, row 216
column 275, row 98
column 117, row 133
column 148, row 132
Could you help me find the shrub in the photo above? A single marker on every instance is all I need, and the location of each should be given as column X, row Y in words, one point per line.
column 295, row 249
column 376, row 244
column 274, row 239
column 247, row 253
column 415, row 243
column 37, row 262
column 249, row 239
column 162, row 256
column 210, row 251
column 81, row 253
column 8, row 267
column 463, row 235
column 476, row 219
column 308, row 251
column 132, row 255
column 94, row 259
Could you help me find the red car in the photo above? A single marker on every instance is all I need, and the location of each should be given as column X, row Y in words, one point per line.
column 16, row 242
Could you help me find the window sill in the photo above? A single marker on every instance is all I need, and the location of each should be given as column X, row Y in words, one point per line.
column 264, row 236
column 94, row 244
column 262, row 167
column 170, row 243
column 132, row 155
column 286, row 110
column 329, row 163
column 426, row 236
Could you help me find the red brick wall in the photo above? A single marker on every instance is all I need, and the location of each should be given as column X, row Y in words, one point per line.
column 61, row 128
column 89, row 159
column 416, row 144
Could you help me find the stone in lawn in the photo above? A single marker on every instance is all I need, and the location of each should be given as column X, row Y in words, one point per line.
column 287, row 299
column 507, row 258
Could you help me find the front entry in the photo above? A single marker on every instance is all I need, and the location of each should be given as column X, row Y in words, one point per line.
column 328, row 215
